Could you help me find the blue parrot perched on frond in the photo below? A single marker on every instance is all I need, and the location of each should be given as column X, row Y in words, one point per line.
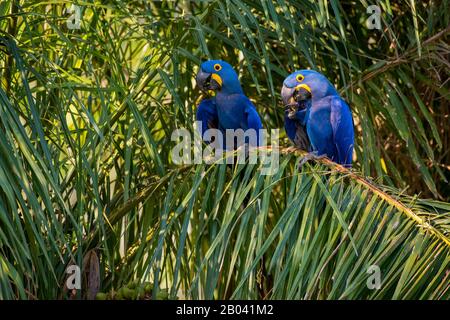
column 317, row 119
column 229, row 108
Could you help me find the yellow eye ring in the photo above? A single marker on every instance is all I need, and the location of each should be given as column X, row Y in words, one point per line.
column 299, row 78
column 217, row 67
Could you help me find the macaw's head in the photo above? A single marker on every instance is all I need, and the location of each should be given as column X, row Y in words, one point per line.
column 218, row 75
column 303, row 86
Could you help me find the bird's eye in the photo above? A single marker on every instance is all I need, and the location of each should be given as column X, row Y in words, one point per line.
column 299, row 78
column 217, row 67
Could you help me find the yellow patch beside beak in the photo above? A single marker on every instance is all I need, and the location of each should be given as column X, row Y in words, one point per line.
column 217, row 78
column 304, row 86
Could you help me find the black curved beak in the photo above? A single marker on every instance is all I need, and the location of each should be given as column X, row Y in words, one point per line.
column 294, row 99
column 301, row 95
column 287, row 96
column 205, row 82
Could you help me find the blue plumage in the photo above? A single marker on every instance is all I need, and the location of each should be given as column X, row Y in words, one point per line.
column 315, row 113
column 230, row 108
column 207, row 114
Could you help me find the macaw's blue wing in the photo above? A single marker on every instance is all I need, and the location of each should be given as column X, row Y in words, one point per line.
column 297, row 133
column 343, row 134
column 207, row 114
column 291, row 128
column 253, row 120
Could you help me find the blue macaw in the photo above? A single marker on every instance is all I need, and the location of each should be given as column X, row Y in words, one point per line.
column 317, row 119
column 229, row 108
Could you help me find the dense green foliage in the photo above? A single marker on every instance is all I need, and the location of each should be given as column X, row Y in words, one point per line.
column 86, row 117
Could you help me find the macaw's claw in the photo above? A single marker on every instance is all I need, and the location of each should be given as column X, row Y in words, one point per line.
column 308, row 157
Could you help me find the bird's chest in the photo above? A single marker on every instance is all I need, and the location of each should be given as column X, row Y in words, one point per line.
column 318, row 120
column 230, row 113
